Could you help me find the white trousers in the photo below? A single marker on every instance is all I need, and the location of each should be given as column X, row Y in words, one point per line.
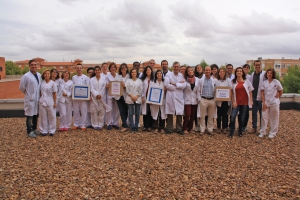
column 207, row 107
column 47, row 119
column 97, row 117
column 65, row 114
column 80, row 113
column 272, row 114
column 114, row 115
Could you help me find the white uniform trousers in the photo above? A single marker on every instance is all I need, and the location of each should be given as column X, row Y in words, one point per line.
column 114, row 115
column 207, row 107
column 65, row 114
column 80, row 113
column 47, row 119
column 272, row 114
column 97, row 117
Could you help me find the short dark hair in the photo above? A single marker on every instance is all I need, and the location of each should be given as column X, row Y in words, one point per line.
column 235, row 77
column 155, row 76
column 120, row 68
column 273, row 73
column 111, row 65
column 47, row 70
column 145, row 75
column 228, row 65
column 57, row 76
column 131, row 72
column 246, row 66
column 103, row 64
column 90, row 68
column 218, row 75
column 30, row 61
column 163, row 61
column 62, row 75
column 257, row 61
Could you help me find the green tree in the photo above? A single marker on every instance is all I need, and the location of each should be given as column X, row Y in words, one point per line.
column 25, row 70
column 291, row 80
column 252, row 69
column 12, row 68
column 203, row 64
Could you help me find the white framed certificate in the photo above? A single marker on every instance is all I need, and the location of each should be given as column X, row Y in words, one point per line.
column 81, row 92
column 223, row 93
column 115, row 88
column 155, row 95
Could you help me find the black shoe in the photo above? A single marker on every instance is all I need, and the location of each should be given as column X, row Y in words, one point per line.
column 51, row 134
column 116, row 127
column 180, row 132
column 89, row 126
column 240, row 134
column 167, row 131
column 230, row 135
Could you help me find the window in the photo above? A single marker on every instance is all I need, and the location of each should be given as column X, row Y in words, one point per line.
column 0, row 69
column 66, row 67
column 277, row 65
column 282, row 74
column 61, row 67
column 288, row 65
column 283, row 66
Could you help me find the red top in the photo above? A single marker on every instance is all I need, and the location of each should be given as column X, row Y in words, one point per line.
column 241, row 94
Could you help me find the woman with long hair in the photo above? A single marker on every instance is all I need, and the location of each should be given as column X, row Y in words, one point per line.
column 241, row 98
column 98, row 106
column 54, row 76
column 147, row 77
column 47, row 105
column 158, row 112
column 223, row 107
column 65, row 102
column 134, row 90
column 123, row 76
column 271, row 91
column 190, row 99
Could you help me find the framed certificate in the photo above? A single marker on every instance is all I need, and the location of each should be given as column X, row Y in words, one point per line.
column 81, row 92
column 155, row 95
column 223, row 93
column 115, row 88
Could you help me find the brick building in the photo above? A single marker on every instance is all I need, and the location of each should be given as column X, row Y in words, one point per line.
column 2, row 68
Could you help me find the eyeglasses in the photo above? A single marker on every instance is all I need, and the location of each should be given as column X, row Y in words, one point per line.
column 257, row 65
column 229, row 68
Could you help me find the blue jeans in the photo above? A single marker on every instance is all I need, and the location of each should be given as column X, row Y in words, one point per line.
column 241, row 110
column 257, row 106
column 134, row 109
column 123, row 109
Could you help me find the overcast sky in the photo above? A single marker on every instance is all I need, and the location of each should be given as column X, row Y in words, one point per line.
column 95, row 31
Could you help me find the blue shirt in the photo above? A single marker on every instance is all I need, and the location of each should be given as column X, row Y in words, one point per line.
column 208, row 90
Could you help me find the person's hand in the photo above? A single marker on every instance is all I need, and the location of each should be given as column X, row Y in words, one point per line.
column 64, row 94
column 234, row 105
column 264, row 106
column 277, row 95
column 251, row 102
column 98, row 97
column 107, row 86
column 143, row 100
column 54, row 106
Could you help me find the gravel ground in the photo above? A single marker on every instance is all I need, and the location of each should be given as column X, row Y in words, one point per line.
column 112, row 165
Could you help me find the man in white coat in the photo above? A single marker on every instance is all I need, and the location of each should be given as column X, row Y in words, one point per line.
column 165, row 67
column 30, row 85
column 175, row 84
column 80, row 107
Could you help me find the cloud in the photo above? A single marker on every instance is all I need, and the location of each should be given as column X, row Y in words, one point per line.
column 261, row 24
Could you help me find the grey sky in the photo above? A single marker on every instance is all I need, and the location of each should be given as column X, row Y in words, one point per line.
column 218, row 31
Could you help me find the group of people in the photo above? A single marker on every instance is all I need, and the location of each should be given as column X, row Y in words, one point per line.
column 189, row 95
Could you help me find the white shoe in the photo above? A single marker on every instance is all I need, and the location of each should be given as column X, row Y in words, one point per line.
column 271, row 136
column 261, row 135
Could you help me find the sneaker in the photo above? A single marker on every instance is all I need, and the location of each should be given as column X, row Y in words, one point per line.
column 51, row 134
column 44, row 134
column 271, row 136
column 210, row 133
column 83, row 128
column 74, row 128
column 32, row 135
column 167, row 131
column 36, row 132
column 109, row 127
column 201, row 133
column 180, row 132
column 96, row 128
column 66, row 129
column 116, row 127
column 61, row 129
column 196, row 130
column 261, row 135
column 89, row 126
column 253, row 130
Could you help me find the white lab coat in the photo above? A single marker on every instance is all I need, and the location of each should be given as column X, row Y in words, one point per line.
column 120, row 78
column 191, row 97
column 261, row 80
column 113, row 115
column 134, row 88
column 174, row 95
column 65, row 104
column 144, row 105
column 31, row 88
column 155, row 108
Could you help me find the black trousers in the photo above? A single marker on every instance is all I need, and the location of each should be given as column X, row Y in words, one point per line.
column 31, row 123
column 147, row 119
column 222, row 115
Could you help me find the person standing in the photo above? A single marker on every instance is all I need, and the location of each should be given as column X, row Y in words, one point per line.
column 113, row 115
column 190, row 99
column 271, row 91
column 175, row 84
column 241, row 99
column 229, row 69
column 80, row 107
column 54, row 76
column 158, row 112
column 246, row 69
column 47, row 105
column 123, row 76
column 147, row 77
column 98, row 106
column 257, row 78
column 223, row 107
column 90, row 72
column 199, row 75
column 134, row 90
column 30, row 86
column 136, row 65
column 65, row 102
column 207, row 101
column 165, row 67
